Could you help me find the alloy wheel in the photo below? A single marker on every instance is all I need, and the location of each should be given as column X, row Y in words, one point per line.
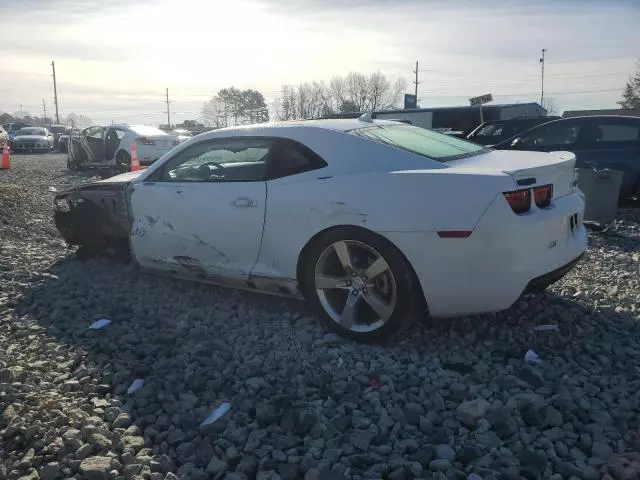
column 355, row 286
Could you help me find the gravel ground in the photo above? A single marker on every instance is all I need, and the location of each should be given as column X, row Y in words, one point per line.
column 442, row 401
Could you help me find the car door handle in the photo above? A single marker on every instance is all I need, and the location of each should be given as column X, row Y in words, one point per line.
column 243, row 202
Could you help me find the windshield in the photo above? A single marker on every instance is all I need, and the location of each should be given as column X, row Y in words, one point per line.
column 421, row 141
column 31, row 131
column 146, row 130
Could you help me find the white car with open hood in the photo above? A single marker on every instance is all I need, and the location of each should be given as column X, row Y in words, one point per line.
column 370, row 221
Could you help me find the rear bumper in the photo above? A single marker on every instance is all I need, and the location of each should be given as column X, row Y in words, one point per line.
column 543, row 281
column 505, row 256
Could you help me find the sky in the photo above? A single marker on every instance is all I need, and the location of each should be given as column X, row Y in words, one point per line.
column 115, row 58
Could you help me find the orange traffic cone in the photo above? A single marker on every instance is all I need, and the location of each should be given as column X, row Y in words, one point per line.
column 135, row 163
column 6, row 159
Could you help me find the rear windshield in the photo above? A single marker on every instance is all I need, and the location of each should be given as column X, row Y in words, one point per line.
column 147, row 130
column 421, row 141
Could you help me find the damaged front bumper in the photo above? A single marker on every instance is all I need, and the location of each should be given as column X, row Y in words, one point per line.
column 94, row 216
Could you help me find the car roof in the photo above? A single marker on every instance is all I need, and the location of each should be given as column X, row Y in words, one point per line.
column 340, row 125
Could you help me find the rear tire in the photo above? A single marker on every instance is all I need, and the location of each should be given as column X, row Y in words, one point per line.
column 363, row 287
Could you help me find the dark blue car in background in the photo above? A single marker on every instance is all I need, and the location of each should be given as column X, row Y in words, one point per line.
column 599, row 141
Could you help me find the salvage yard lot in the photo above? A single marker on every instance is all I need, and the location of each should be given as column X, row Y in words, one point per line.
column 440, row 401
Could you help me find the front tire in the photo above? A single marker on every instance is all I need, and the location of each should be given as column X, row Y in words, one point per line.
column 361, row 284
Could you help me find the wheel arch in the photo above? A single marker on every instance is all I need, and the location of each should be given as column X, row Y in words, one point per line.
column 306, row 249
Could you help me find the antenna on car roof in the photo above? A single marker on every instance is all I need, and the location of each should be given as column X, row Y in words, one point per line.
column 366, row 117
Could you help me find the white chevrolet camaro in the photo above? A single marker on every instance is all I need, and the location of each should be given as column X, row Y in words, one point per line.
column 371, row 221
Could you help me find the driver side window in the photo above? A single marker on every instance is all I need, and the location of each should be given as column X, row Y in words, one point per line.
column 220, row 160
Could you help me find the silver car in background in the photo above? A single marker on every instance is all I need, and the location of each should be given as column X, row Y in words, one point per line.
column 33, row 139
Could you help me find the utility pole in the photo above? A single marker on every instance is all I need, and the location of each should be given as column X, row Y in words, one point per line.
column 21, row 111
column 416, row 82
column 168, row 112
column 55, row 92
column 542, row 81
column 44, row 108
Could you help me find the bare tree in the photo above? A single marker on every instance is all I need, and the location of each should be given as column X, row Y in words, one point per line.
column 354, row 92
column 213, row 113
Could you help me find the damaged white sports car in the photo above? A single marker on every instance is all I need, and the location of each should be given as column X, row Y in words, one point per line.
column 370, row 221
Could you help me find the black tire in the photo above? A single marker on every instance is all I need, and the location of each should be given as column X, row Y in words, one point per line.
column 408, row 296
column 123, row 161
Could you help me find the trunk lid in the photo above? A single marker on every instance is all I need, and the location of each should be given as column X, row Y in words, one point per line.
column 528, row 169
column 164, row 142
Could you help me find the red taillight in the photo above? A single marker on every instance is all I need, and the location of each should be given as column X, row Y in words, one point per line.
column 542, row 195
column 519, row 200
column 145, row 141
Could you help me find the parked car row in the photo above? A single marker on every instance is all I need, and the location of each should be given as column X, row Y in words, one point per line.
column 23, row 137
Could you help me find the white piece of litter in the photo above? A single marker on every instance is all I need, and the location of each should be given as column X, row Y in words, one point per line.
column 98, row 324
column 545, row 328
column 137, row 384
column 531, row 357
column 53, row 189
column 217, row 414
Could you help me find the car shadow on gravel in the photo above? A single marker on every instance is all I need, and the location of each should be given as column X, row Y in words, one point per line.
column 197, row 345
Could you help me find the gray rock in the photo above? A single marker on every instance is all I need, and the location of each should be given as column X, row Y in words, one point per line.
column 472, row 411
column 601, row 417
column 50, row 471
column 216, row 465
column 83, row 452
column 361, row 439
column 502, row 422
column 254, row 440
column 248, row 465
column 440, row 464
column 531, row 376
column 96, row 468
column 553, row 417
column 488, row 439
column 27, row 460
column 601, row 450
column 175, row 437
column 122, row 421
column 132, row 470
column 268, row 475
column 535, row 460
column 423, row 455
column 398, row 474
column 32, row 474
column 445, row 452
column 133, row 442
